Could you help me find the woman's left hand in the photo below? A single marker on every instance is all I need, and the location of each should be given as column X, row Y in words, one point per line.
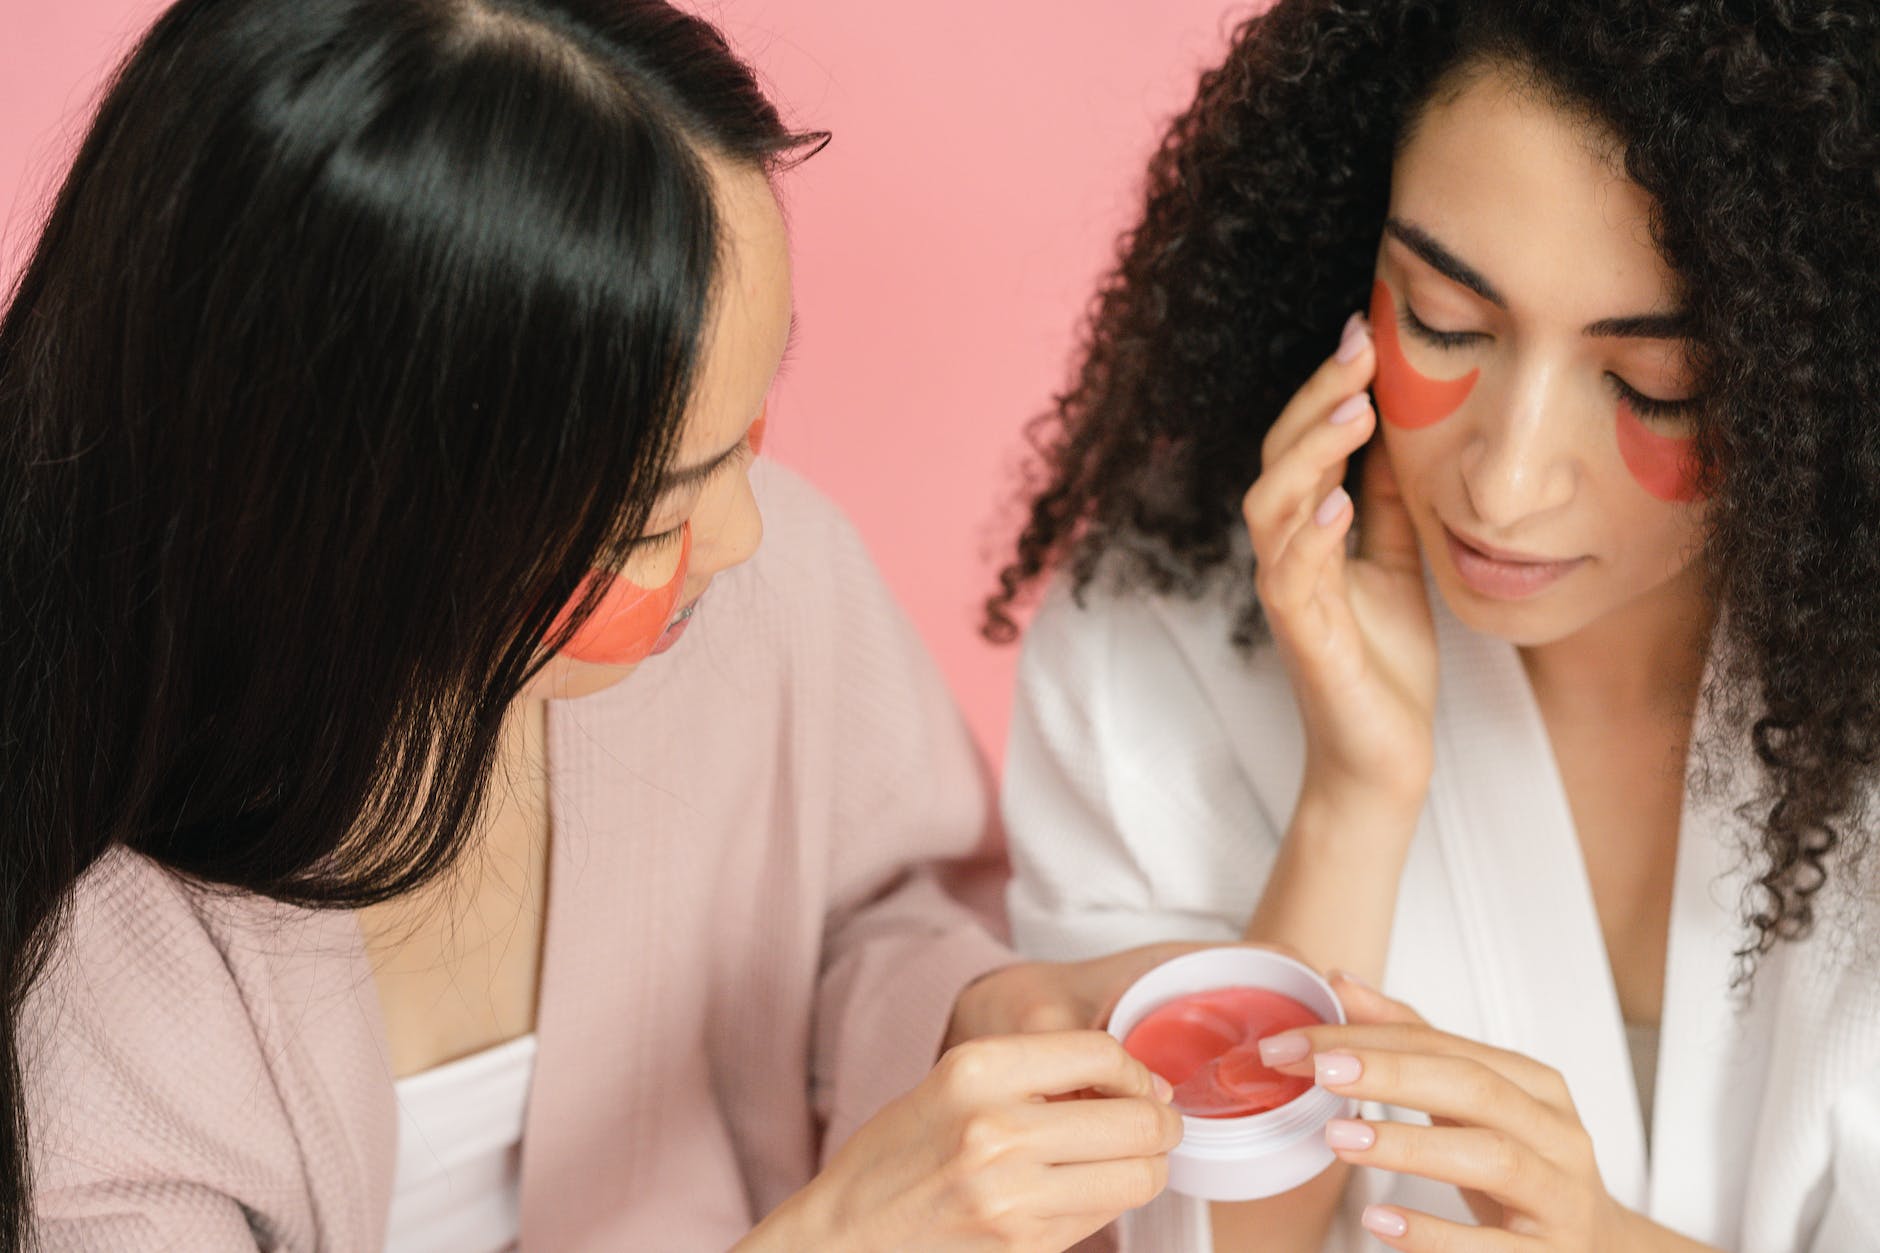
column 1505, row 1132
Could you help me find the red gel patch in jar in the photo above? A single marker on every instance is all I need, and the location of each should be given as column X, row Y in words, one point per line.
column 1208, row 1047
column 1406, row 397
column 629, row 620
column 1664, row 465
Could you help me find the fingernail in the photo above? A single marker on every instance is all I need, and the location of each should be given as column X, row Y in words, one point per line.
column 1331, row 507
column 1383, row 1222
column 1279, row 1050
column 1350, row 409
column 1349, row 1133
column 1353, row 340
column 1335, row 1069
column 1163, row 1090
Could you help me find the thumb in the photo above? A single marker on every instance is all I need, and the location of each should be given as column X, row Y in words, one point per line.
column 1385, row 534
column 1366, row 1006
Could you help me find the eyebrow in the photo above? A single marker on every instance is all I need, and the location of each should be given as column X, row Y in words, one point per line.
column 1455, row 269
column 691, row 476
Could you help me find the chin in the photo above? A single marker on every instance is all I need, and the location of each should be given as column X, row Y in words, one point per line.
column 1545, row 619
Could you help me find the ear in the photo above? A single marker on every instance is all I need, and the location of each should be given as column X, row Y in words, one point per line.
column 1365, row 1005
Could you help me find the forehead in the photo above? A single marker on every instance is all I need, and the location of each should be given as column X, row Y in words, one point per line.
column 750, row 315
column 1534, row 197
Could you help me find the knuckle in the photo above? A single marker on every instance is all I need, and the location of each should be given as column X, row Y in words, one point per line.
column 1501, row 1159
column 1478, row 1084
column 964, row 1067
column 1142, row 1182
column 983, row 1139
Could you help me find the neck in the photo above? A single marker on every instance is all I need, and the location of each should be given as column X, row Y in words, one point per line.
column 1649, row 653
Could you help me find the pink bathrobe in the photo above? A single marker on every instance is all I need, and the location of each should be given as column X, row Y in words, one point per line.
column 749, row 951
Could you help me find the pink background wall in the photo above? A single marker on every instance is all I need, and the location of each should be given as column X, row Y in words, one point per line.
column 947, row 241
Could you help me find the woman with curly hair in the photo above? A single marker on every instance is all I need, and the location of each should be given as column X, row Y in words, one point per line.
column 1540, row 690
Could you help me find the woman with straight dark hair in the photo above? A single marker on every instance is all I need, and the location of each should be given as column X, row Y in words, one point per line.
column 386, row 368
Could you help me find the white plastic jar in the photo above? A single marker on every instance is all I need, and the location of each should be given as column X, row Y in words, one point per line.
column 1260, row 1155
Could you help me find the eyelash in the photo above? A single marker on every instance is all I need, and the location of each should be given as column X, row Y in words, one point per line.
column 740, row 456
column 1645, row 406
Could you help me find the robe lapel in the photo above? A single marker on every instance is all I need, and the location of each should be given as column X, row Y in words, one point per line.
column 1523, row 903
column 1711, row 1075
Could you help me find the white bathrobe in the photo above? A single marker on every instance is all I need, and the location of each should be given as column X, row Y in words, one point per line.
column 1151, row 774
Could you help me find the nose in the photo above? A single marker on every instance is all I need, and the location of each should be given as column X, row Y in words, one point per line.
column 1519, row 460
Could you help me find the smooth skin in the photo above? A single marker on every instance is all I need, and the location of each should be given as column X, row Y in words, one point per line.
column 989, row 1153
column 1517, row 248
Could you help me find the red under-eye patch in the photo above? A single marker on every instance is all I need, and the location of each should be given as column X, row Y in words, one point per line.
column 1405, row 397
column 756, row 433
column 1664, row 465
column 627, row 623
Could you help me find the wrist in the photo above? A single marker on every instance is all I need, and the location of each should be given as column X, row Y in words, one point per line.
column 805, row 1220
column 1332, row 813
column 974, row 1009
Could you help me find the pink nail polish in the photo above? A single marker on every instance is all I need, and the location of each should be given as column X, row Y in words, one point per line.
column 1383, row 1222
column 1280, row 1050
column 1349, row 1133
column 1349, row 409
column 1334, row 1069
column 1353, row 340
column 1163, row 1090
column 1330, row 508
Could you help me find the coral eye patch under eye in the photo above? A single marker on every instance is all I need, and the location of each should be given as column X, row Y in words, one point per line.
column 1664, row 465
column 1406, row 397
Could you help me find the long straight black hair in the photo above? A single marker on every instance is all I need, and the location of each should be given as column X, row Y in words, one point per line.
column 359, row 331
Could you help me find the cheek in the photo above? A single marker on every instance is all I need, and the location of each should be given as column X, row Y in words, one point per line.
column 758, row 428
column 1405, row 397
column 1664, row 466
column 629, row 619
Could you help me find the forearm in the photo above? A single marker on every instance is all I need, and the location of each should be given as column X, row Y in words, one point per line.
column 1331, row 898
column 1645, row 1236
column 1333, row 892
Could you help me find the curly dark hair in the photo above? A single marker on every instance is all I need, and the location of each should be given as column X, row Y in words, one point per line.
column 1752, row 125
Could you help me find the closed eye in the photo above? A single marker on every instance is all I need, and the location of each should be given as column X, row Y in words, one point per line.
column 1651, row 406
column 1435, row 338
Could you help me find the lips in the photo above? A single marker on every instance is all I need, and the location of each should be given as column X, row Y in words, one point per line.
column 1502, row 574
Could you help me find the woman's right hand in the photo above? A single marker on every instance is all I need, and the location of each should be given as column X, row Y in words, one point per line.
column 1354, row 629
column 987, row 1155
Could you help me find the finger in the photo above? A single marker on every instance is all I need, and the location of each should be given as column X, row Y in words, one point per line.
column 1096, row 1130
column 1468, row 1157
column 1101, row 1188
column 1001, row 1069
column 1331, row 383
column 1387, row 536
column 1310, row 573
column 1537, row 1079
column 1445, row 1086
column 1417, row 1232
column 1291, row 486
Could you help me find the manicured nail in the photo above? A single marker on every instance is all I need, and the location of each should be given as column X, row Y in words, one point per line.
column 1163, row 1090
column 1383, row 1222
column 1280, row 1050
column 1353, row 340
column 1350, row 409
column 1329, row 508
column 1333, row 1070
column 1349, row 1133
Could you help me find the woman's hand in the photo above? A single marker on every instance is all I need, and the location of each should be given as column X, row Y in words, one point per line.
column 1054, row 996
column 1355, row 630
column 1505, row 1133
column 981, row 1156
